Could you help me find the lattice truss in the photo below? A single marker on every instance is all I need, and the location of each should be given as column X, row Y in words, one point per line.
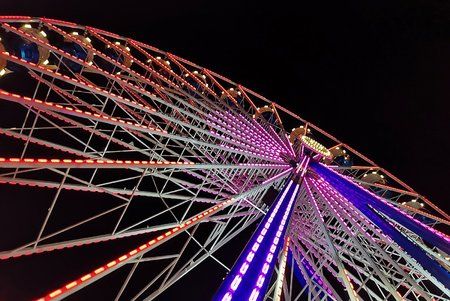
column 110, row 138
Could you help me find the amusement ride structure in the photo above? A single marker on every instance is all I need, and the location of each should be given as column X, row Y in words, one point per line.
column 105, row 139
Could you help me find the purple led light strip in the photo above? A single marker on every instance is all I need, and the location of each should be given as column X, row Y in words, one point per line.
column 251, row 254
column 346, row 279
column 260, row 269
column 270, row 147
column 244, row 131
column 339, row 199
column 447, row 238
column 280, row 175
column 259, row 134
column 276, row 241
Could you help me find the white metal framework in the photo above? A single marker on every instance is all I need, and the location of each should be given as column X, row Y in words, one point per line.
column 91, row 116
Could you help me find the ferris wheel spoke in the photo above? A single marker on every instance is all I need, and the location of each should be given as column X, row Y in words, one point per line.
column 386, row 251
column 87, row 148
column 98, row 189
column 199, row 257
column 352, row 295
column 314, row 260
column 48, row 144
column 28, row 249
column 110, row 120
column 184, row 183
column 25, row 249
column 70, row 98
column 116, row 193
column 217, row 243
column 64, row 291
column 435, row 252
column 303, row 260
column 324, row 245
column 325, row 260
column 108, row 164
column 363, row 223
column 119, row 192
column 133, row 254
column 377, row 264
column 234, row 126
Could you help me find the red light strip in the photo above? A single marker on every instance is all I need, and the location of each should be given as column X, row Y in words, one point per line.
column 66, row 149
column 44, row 143
column 96, row 52
column 88, row 163
column 77, row 82
column 185, row 70
column 59, row 22
column 86, row 114
column 115, row 264
column 107, row 163
column 94, row 109
column 83, row 84
column 75, row 112
column 161, row 65
column 14, row 18
column 215, row 82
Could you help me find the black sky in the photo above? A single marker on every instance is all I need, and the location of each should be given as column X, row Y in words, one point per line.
column 376, row 74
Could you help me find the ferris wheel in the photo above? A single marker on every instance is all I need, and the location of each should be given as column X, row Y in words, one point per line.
column 106, row 140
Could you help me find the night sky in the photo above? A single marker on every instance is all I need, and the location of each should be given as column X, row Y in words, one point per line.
column 375, row 74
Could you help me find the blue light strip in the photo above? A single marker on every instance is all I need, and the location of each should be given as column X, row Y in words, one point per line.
column 365, row 201
column 249, row 277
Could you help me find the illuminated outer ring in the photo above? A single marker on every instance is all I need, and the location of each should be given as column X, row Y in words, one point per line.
column 199, row 138
column 316, row 147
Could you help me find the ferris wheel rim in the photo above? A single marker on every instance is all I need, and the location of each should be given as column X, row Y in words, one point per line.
column 269, row 161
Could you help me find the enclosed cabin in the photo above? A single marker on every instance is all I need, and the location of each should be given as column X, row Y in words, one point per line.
column 161, row 66
column 268, row 114
column 230, row 95
column 373, row 178
column 3, row 62
column 416, row 204
column 197, row 80
column 117, row 55
column 78, row 49
column 340, row 157
column 24, row 48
